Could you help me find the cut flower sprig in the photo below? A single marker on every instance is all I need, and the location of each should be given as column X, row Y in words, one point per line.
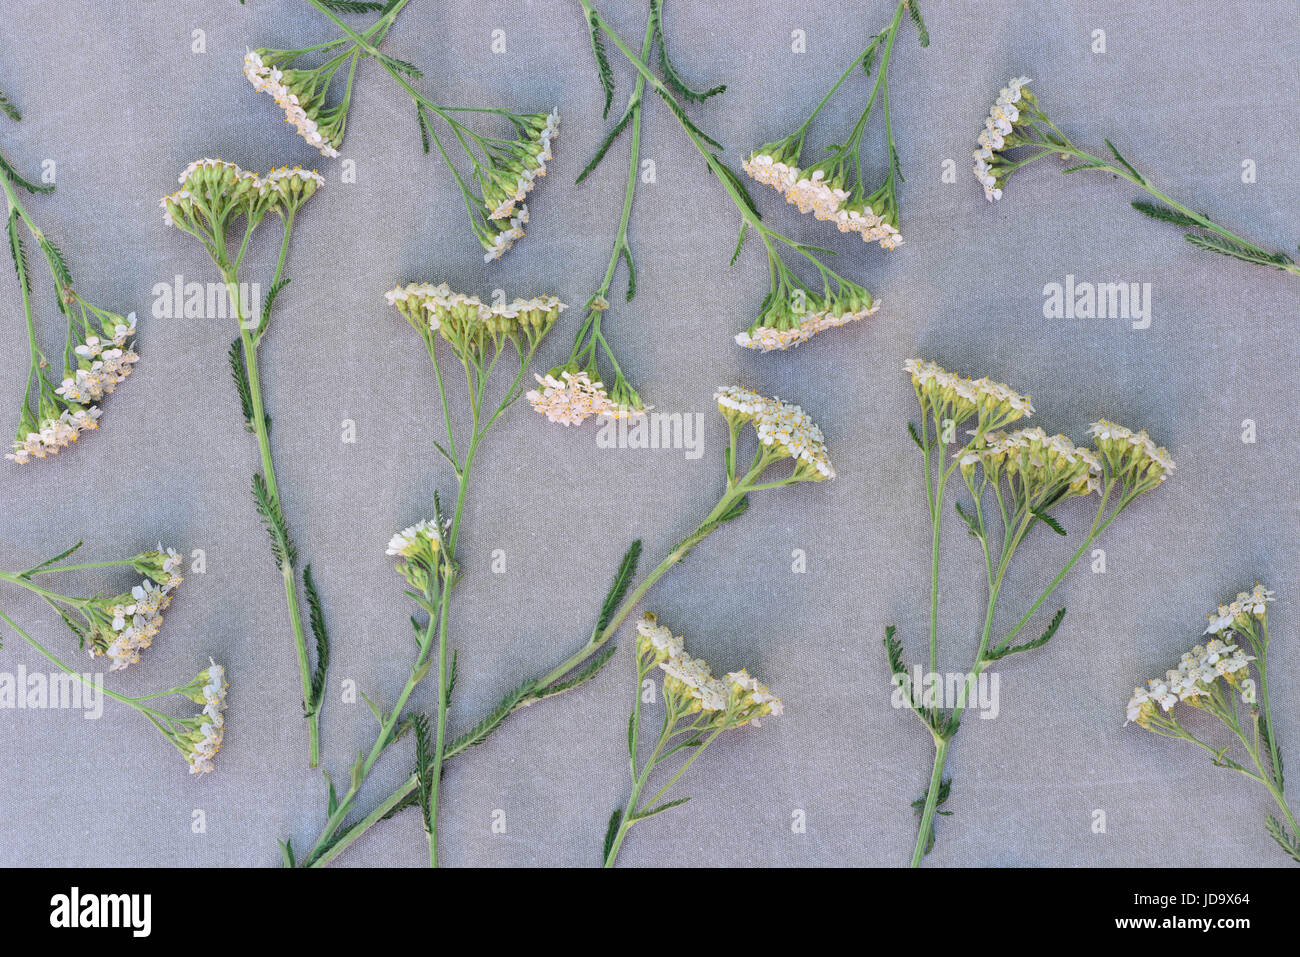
column 1212, row 678
column 697, row 708
column 479, row 337
column 1016, row 480
column 214, row 197
column 1018, row 132
column 793, row 311
column 197, row 737
column 835, row 189
column 114, row 626
column 98, row 352
column 790, row 449
column 504, row 170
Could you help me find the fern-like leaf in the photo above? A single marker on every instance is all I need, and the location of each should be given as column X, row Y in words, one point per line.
column 1165, row 214
column 1125, row 163
column 20, row 181
column 316, row 616
column 1047, row 520
column 686, row 121
column 268, row 507
column 7, row 107
column 1248, row 254
column 424, row 767
column 623, row 578
column 671, row 76
column 239, row 371
column 915, row 12
column 607, row 142
column 611, row 832
column 589, row 671
column 481, row 731
column 945, row 789
column 355, row 6
column 1287, row 841
column 1038, row 642
column 602, row 62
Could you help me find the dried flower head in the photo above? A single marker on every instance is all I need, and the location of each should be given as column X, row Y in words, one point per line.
column 999, row 134
column 784, row 431
column 946, row 396
column 1131, row 457
column 788, row 320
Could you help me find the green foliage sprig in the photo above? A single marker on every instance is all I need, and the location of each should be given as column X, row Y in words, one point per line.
column 98, row 351
column 801, row 447
column 503, row 170
column 1018, row 132
column 214, row 198
column 1015, row 482
column 1216, row 679
column 793, row 310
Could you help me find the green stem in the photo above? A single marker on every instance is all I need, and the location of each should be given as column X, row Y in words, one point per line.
column 249, row 347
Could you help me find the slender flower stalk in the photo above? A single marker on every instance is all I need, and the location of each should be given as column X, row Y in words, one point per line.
column 1196, row 683
column 793, row 311
column 198, row 737
column 697, row 708
column 504, row 170
column 98, row 353
column 214, row 196
column 1014, row 480
column 1018, row 132
column 835, row 189
column 783, row 434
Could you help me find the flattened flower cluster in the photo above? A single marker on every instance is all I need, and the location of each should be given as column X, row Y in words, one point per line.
column 945, row 395
column 570, row 396
column 515, row 169
column 784, row 429
column 691, row 688
column 502, row 234
column 207, row 730
column 214, row 189
column 55, row 431
column 126, row 625
column 1042, row 463
column 1131, row 456
column 1242, row 612
column 998, row 134
column 820, row 190
column 1195, row 676
column 301, row 94
column 786, row 322
column 466, row 322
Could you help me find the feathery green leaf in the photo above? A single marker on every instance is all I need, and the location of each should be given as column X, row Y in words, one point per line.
column 268, row 507
column 1044, row 638
column 602, row 62
column 618, row 588
column 317, row 618
column 1163, row 213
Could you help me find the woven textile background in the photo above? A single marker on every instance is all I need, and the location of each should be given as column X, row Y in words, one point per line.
column 114, row 95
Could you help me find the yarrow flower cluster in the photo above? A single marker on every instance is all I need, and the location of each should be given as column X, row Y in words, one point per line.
column 1014, row 480
column 698, row 707
column 1131, row 455
column 98, row 355
column 202, row 735
column 820, row 190
column 418, row 548
column 833, row 190
column 1018, row 132
column 471, row 326
column 214, row 189
column 568, row 396
column 301, row 94
column 1196, row 683
column 784, row 430
column 1042, row 465
column 999, row 134
column 126, row 625
column 1194, row 678
column 1241, row 614
column 945, row 395
column 516, row 167
column 787, row 321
